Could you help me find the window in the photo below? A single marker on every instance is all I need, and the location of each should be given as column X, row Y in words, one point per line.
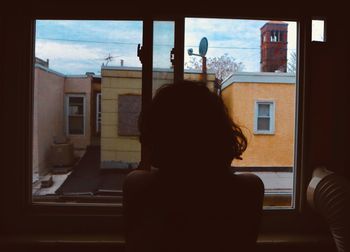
column 87, row 98
column 264, row 119
column 104, row 84
column 20, row 30
column 318, row 31
column 252, row 73
column 75, row 114
column 275, row 36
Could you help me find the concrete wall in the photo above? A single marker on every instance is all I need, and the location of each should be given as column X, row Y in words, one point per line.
column 47, row 116
column 50, row 88
column 264, row 150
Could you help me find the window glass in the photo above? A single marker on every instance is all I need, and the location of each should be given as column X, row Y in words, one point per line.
column 263, row 110
column 95, row 65
column 263, row 124
column 264, row 118
column 87, row 98
column 249, row 62
column 163, row 44
column 318, row 31
column 76, row 115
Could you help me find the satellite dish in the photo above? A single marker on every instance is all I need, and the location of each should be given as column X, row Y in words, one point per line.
column 203, row 46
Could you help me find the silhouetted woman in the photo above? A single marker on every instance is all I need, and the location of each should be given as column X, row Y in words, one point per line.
column 190, row 200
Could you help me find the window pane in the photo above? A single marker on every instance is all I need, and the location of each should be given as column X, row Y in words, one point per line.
column 76, row 125
column 264, row 124
column 163, row 43
column 263, row 109
column 87, row 98
column 249, row 61
column 318, row 31
column 76, row 106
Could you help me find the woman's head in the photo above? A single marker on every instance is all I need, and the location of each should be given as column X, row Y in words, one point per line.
column 188, row 125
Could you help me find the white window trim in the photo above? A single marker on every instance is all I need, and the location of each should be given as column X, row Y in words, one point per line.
column 272, row 117
column 66, row 104
column 98, row 114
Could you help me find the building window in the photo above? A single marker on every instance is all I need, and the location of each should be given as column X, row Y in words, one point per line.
column 275, row 36
column 264, row 121
column 75, row 111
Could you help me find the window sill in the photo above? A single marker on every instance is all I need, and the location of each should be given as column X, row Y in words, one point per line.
column 115, row 242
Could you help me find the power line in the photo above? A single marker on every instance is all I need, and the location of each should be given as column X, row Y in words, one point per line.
column 88, row 41
column 240, row 48
column 167, row 45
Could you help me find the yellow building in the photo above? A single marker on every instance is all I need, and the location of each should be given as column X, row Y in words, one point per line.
column 121, row 90
column 263, row 104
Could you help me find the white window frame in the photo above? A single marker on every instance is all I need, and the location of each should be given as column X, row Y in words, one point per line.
column 66, row 104
column 271, row 131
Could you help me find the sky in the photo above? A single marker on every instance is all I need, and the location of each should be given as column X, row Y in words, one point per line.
column 77, row 47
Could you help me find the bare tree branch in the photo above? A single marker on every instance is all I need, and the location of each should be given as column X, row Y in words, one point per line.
column 223, row 66
column 292, row 63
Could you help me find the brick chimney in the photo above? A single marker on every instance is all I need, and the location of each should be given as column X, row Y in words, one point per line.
column 274, row 47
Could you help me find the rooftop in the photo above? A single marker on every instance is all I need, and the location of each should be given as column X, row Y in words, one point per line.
column 259, row 77
column 126, row 68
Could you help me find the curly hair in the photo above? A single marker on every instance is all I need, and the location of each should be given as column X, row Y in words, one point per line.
column 186, row 123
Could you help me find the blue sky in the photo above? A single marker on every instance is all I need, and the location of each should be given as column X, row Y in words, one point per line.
column 76, row 47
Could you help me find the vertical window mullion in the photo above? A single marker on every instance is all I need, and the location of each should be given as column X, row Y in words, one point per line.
column 147, row 73
column 179, row 48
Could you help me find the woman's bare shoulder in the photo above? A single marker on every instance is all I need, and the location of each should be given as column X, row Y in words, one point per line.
column 138, row 180
column 250, row 182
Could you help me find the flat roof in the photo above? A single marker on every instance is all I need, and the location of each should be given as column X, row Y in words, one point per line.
column 65, row 75
column 259, row 77
column 127, row 68
column 49, row 70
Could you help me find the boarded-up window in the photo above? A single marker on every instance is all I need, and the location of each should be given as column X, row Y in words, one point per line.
column 129, row 108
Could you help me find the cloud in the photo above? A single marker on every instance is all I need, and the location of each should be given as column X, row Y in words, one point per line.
column 72, row 58
column 238, row 38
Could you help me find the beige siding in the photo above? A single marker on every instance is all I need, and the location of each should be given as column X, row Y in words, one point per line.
column 114, row 147
column 115, row 82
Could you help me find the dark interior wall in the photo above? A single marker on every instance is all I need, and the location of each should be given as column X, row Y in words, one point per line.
column 326, row 97
column 339, row 59
column 329, row 97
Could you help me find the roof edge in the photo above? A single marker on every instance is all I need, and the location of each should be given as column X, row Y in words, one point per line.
column 259, row 77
